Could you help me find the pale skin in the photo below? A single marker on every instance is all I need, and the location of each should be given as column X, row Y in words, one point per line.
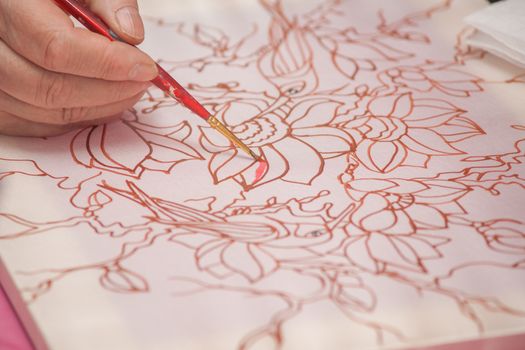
column 55, row 77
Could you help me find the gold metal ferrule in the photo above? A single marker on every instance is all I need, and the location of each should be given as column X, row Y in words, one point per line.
column 220, row 127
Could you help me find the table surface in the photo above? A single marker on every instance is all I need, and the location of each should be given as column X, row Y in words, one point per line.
column 12, row 336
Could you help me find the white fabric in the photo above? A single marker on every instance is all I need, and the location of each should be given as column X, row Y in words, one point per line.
column 500, row 30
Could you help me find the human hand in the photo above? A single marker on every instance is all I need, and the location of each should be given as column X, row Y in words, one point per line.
column 55, row 77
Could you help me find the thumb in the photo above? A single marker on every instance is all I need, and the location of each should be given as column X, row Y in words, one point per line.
column 122, row 16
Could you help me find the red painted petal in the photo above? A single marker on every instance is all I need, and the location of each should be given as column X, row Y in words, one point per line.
column 277, row 166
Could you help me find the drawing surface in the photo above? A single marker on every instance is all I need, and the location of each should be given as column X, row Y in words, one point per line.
column 390, row 214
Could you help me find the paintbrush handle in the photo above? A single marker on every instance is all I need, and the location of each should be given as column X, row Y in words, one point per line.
column 88, row 18
column 163, row 81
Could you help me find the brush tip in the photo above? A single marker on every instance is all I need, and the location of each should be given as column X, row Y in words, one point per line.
column 254, row 156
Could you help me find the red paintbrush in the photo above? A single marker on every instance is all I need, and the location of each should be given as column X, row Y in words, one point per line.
column 164, row 81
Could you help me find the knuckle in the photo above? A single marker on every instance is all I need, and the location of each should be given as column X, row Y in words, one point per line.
column 72, row 115
column 52, row 91
column 122, row 91
column 108, row 63
column 56, row 51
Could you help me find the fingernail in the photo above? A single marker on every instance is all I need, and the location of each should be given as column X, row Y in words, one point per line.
column 128, row 19
column 143, row 72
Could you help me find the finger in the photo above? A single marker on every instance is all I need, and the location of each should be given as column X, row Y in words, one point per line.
column 41, row 32
column 34, row 85
column 14, row 126
column 64, row 116
column 122, row 16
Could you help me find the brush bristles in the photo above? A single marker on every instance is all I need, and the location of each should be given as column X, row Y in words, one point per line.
column 217, row 125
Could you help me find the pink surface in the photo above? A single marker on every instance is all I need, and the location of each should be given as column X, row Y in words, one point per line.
column 511, row 342
column 391, row 195
column 12, row 336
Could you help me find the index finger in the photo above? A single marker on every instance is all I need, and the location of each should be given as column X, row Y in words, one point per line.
column 41, row 32
column 122, row 16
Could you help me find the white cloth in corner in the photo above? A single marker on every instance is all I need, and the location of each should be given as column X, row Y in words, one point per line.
column 500, row 29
